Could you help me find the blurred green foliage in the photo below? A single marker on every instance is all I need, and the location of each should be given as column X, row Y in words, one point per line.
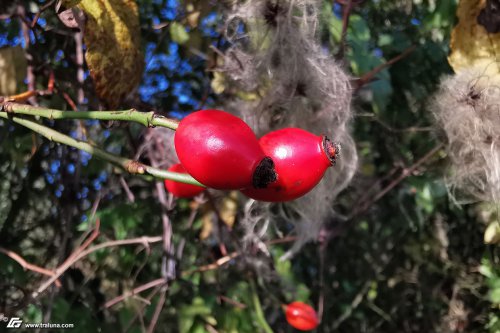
column 414, row 262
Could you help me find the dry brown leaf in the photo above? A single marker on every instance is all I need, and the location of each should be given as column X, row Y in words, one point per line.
column 114, row 55
column 471, row 45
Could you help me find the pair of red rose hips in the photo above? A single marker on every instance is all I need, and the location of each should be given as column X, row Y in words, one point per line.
column 221, row 151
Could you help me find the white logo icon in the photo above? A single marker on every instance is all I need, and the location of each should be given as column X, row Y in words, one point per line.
column 14, row 322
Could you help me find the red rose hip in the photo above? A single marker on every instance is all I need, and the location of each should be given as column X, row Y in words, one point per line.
column 300, row 158
column 301, row 316
column 221, row 151
column 181, row 190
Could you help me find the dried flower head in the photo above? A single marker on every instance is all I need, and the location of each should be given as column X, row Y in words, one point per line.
column 467, row 108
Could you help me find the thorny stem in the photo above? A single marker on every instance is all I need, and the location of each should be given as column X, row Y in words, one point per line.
column 131, row 166
column 149, row 119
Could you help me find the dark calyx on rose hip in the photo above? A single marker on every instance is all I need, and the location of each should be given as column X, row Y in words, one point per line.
column 300, row 159
column 264, row 174
column 332, row 149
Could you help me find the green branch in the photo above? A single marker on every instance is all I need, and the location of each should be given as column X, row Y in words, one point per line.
column 131, row 166
column 258, row 309
column 148, row 119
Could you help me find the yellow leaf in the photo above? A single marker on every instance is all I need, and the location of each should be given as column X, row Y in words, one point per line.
column 193, row 18
column 208, row 225
column 470, row 44
column 218, row 83
column 12, row 70
column 113, row 41
column 70, row 3
column 492, row 233
column 229, row 209
column 178, row 33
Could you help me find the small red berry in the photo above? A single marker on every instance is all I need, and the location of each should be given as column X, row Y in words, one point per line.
column 181, row 190
column 301, row 316
column 221, row 151
column 300, row 158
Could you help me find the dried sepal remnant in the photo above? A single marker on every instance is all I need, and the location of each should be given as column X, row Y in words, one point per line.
column 276, row 56
column 114, row 55
column 467, row 108
column 471, row 44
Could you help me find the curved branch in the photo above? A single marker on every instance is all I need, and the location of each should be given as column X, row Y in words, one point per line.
column 149, row 119
column 131, row 166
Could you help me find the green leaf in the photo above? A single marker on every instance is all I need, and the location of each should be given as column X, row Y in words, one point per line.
column 178, row 33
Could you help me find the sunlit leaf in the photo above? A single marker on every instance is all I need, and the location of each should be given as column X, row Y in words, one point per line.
column 208, row 225
column 114, row 55
column 178, row 33
column 471, row 45
column 70, row 3
column 229, row 209
column 492, row 233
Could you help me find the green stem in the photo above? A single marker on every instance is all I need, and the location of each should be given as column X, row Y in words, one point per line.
column 133, row 167
column 148, row 119
column 258, row 309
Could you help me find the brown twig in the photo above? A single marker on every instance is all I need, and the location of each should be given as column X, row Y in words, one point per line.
column 30, row 73
column 322, row 246
column 367, row 77
column 232, row 302
column 126, row 188
column 28, row 266
column 411, row 129
column 367, row 192
column 161, row 281
column 80, row 74
column 219, row 262
column 224, row 260
column 404, row 174
column 346, row 14
column 167, row 204
column 140, row 312
column 158, row 308
column 70, row 101
column 68, row 263
column 42, row 9
column 220, row 223
column 140, row 289
column 288, row 239
column 85, row 244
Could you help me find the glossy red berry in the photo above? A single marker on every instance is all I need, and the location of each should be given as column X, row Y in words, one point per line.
column 221, row 151
column 301, row 316
column 300, row 158
column 181, row 190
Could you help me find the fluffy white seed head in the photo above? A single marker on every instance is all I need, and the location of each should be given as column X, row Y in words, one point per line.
column 467, row 108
